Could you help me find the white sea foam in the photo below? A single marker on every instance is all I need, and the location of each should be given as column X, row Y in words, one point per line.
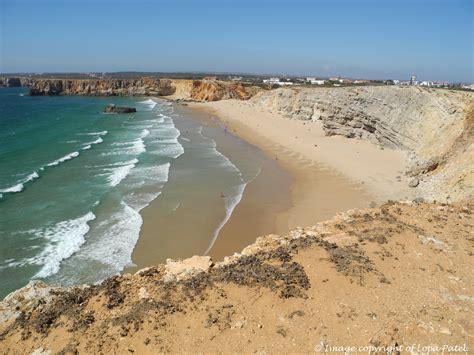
column 225, row 162
column 121, row 173
column 119, row 234
column 135, row 147
column 20, row 186
column 64, row 158
column 16, row 188
column 161, row 117
column 89, row 145
column 64, row 239
column 230, row 203
column 149, row 103
column 97, row 141
column 102, row 133
column 166, row 138
column 186, row 139
column 144, row 133
column 31, row 177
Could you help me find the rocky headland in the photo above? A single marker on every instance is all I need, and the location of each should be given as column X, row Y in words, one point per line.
column 207, row 89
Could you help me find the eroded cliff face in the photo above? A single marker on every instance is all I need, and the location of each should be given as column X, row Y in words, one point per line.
column 433, row 125
column 179, row 89
column 213, row 90
column 102, row 87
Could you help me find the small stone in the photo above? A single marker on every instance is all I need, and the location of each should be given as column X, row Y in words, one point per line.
column 143, row 293
column 414, row 182
column 444, row 330
column 238, row 325
column 419, row 200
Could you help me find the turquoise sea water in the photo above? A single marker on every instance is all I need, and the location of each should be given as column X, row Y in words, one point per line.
column 73, row 181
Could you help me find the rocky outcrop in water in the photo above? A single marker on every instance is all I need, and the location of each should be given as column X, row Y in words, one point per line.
column 111, row 108
column 102, row 87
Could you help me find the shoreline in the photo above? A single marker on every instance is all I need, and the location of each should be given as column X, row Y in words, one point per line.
column 257, row 212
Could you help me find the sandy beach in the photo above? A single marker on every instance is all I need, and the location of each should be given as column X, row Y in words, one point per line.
column 374, row 168
column 329, row 174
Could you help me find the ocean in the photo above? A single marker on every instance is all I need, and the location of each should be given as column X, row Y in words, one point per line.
column 75, row 181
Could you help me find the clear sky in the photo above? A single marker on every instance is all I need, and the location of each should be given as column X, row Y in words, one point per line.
column 358, row 38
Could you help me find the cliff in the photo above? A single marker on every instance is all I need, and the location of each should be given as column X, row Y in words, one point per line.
column 208, row 89
column 434, row 126
column 213, row 90
column 341, row 282
column 102, row 87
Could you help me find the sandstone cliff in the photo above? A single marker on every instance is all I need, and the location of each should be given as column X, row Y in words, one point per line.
column 435, row 126
column 102, row 87
column 213, row 90
column 210, row 89
column 341, row 282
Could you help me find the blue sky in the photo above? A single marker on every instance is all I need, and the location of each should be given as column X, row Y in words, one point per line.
column 359, row 38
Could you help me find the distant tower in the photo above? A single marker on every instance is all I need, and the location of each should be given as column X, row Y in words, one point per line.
column 413, row 79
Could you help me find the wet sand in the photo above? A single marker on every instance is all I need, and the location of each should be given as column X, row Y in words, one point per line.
column 259, row 212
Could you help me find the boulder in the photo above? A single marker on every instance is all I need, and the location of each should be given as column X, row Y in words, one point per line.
column 111, row 108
